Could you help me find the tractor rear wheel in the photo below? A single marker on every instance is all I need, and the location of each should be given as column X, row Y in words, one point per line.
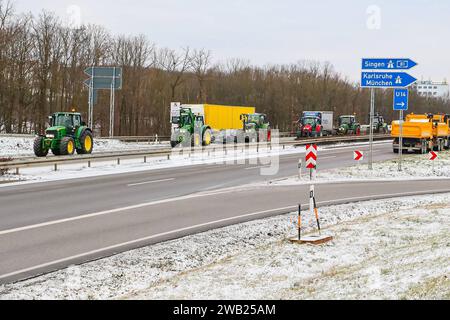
column 67, row 146
column 207, row 138
column 38, row 147
column 86, row 142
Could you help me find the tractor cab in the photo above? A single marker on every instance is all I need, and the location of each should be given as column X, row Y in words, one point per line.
column 256, row 127
column 378, row 119
column 256, row 120
column 67, row 133
column 69, row 122
column 186, row 118
column 347, row 120
column 199, row 121
column 190, row 130
column 349, row 125
column 310, row 120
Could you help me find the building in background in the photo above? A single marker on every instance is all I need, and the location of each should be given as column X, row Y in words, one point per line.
column 428, row 88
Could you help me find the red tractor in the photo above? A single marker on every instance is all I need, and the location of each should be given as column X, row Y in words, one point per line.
column 315, row 124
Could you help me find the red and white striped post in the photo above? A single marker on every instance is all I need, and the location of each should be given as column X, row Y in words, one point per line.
column 311, row 159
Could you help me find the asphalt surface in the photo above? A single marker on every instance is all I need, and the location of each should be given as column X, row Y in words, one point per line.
column 47, row 226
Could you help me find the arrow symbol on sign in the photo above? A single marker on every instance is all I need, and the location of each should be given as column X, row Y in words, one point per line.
column 433, row 155
column 401, row 104
column 358, row 155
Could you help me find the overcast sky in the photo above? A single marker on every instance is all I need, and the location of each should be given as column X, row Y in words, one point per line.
column 282, row 31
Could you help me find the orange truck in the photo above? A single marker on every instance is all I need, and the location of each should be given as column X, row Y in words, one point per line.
column 422, row 133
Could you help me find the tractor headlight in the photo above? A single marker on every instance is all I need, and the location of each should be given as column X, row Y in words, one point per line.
column 50, row 136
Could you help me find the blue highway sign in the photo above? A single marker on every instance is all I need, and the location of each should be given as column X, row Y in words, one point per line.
column 104, row 72
column 386, row 80
column 401, row 99
column 104, row 83
column 388, row 64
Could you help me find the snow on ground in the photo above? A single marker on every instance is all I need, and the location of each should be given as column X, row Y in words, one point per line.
column 385, row 249
column 218, row 156
column 414, row 167
column 16, row 147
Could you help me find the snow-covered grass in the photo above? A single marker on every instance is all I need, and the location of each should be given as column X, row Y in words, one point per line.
column 23, row 146
column 414, row 167
column 388, row 249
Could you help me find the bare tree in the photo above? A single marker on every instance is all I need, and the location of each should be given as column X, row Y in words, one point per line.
column 175, row 64
column 201, row 60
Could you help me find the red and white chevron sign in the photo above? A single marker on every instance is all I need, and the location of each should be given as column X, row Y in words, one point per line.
column 433, row 155
column 358, row 155
column 311, row 156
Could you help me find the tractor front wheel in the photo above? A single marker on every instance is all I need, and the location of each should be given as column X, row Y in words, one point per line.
column 67, row 146
column 86, row 141
column 38, row 147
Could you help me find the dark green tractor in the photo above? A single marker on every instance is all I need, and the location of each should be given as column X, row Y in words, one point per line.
column 379, row 125
column 256, row 127
column 190, row 130
column 67, row 134
column 349, row 125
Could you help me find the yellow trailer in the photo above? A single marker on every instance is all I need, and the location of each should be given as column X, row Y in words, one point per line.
column 220, row 117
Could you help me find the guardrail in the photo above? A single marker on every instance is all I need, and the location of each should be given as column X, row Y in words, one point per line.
column 138, row 139
column 167, row 152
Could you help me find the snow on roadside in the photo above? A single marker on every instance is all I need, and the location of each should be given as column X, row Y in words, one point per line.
column 23, row 146
column 217, row 156
column 414, row 167
column 214, row 156
column 388, row 249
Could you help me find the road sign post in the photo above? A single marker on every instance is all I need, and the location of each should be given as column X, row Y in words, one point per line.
column 311, row 159
column 400, row 143
column 401, row 104
column 300, row 165
column 358, row 156
column 433, row 156
column 372, row 115
column 103, row 78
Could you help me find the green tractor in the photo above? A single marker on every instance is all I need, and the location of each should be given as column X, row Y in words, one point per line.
column 190, row 130
column 256, row 127
column 349, row 125
column 379, row 125
column 66, row 134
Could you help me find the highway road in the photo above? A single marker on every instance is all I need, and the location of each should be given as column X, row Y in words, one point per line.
column 47, row 226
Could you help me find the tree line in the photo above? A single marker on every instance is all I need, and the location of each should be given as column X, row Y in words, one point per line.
column 42, row 63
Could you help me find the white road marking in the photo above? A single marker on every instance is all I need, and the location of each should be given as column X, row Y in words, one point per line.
column 152, row 203
column 150, row 182
column 293, row 208
column 136, row 241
